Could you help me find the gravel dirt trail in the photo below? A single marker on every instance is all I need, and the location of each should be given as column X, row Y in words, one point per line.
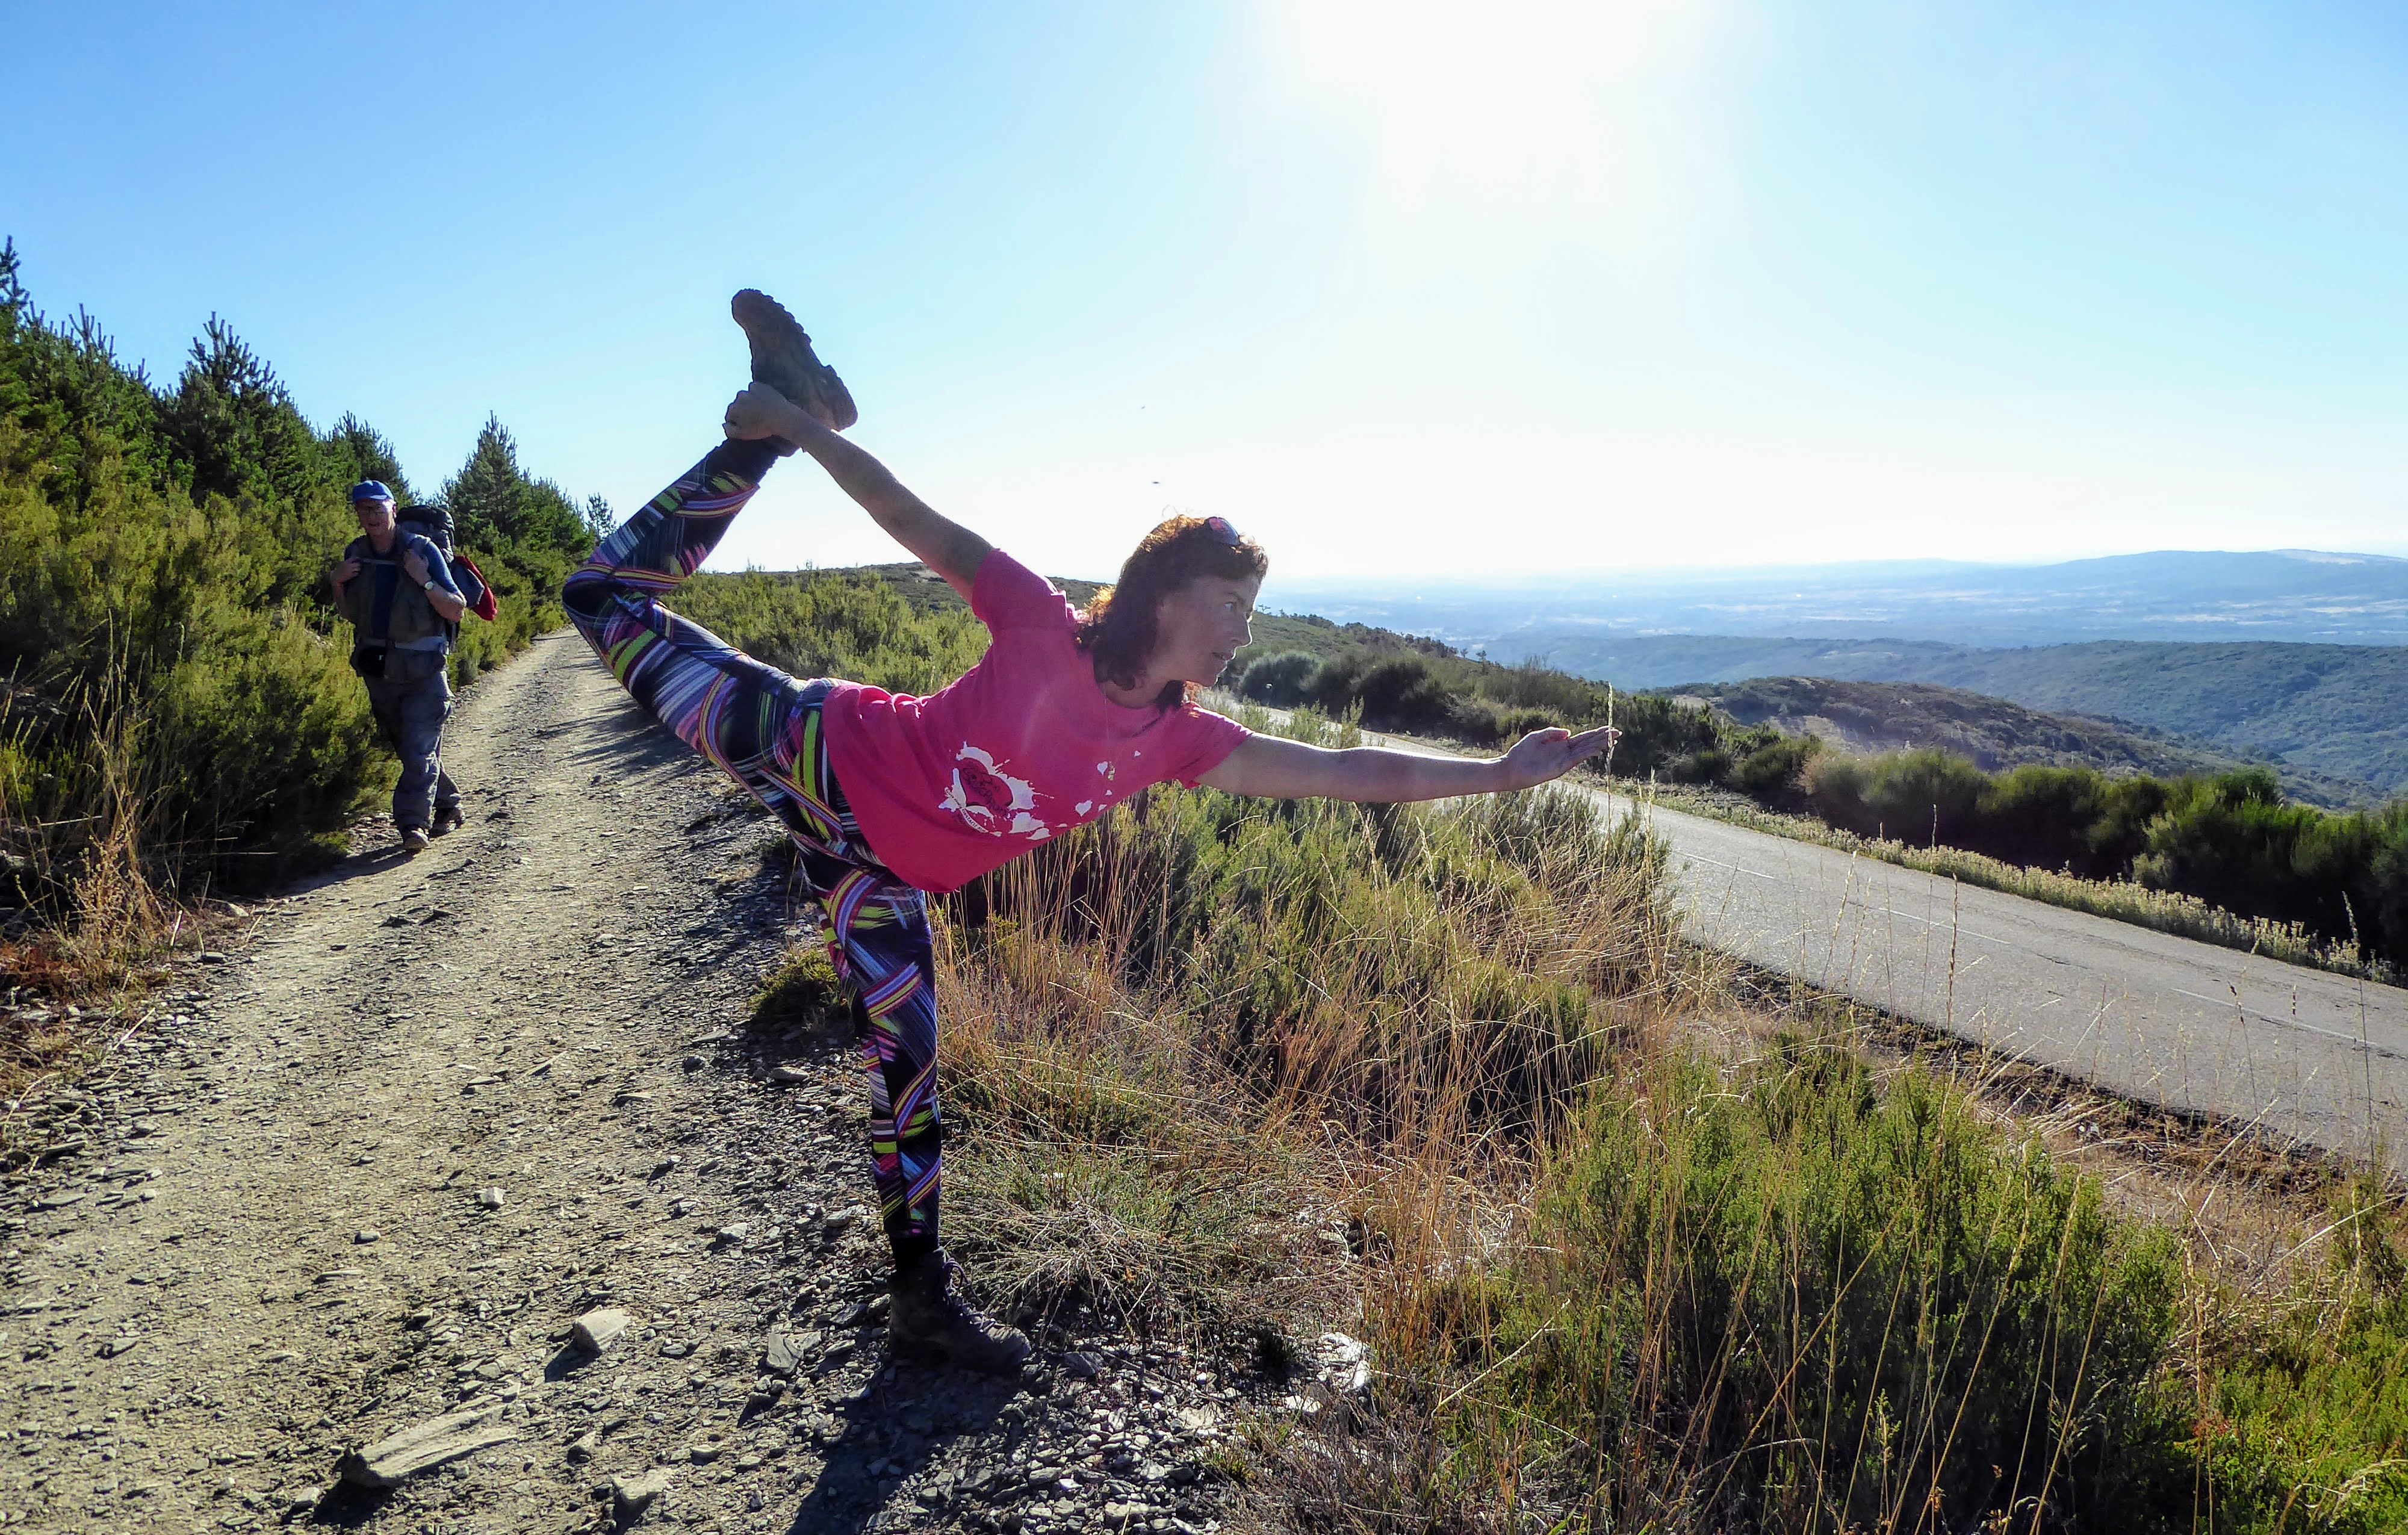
column 368, row 1173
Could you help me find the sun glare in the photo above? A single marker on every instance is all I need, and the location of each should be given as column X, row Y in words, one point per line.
column 1572, row 98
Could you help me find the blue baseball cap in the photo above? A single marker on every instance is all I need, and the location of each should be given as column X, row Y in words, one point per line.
column 372, row 489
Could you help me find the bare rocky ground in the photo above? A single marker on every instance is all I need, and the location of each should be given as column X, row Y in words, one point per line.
column 367, row 1170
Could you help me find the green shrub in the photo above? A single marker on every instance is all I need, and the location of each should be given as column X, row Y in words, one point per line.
column 2306, row 1423
column 1921, row 797
column 1519, row 723
column 1774, row 772
column 1534, row 686
column 1778, row 1300
column 1668, row 740
column 2230, row 841
column 809, row 625
column 1280, row 681
column 1400, row 692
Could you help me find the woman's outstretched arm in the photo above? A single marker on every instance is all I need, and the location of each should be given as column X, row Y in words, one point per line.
column 1274, row 768
column 938, row 542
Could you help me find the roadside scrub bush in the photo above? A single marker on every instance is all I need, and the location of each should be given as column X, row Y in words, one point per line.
column 1928, row 796
column 2229, row 842
column 1281, row 681
column 2305, row 1422
column 810, row 624
column 1774, row 773
column 1401, row 694
column 1774, row 1297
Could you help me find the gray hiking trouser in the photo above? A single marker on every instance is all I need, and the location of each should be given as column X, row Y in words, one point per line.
column 410, row 702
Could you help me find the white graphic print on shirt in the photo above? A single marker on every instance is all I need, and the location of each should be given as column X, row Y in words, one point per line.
column 991, row 800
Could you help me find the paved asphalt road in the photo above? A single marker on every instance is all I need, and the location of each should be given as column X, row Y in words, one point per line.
column 2304, row 1054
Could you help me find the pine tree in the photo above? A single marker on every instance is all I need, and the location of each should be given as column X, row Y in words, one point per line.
column 232, row 422
column 495, row 503
column 355, row 452
column 484, row 495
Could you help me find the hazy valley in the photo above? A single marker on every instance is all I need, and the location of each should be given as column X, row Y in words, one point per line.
column 2294, row 658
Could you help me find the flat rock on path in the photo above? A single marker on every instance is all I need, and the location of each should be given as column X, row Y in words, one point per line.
column 194, row 1334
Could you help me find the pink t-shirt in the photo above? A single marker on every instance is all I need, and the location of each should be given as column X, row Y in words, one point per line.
column 1016, row 750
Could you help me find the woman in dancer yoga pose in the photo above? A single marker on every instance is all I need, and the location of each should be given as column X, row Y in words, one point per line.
column 890, row 797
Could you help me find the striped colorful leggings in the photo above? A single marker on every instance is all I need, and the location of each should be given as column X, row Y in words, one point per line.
column 764, row 727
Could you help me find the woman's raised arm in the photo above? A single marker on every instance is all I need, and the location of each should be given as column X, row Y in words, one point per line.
column 938, row 542
column 1274, row 768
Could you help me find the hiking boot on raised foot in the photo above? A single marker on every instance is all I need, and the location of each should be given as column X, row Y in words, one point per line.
column 784, row 360
column 448, row 818
column 931, row 1321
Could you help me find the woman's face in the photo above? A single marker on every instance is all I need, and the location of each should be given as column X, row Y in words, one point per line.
column 1201, row 626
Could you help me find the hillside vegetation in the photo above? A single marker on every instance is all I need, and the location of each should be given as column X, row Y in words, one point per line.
column 1993, row 734
column 179, row 711
column 2338, row 711
column 1225, row 1068
column 2223, row 857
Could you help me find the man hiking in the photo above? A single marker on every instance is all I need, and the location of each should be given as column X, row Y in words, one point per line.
column 398, row 591
column 887, row 798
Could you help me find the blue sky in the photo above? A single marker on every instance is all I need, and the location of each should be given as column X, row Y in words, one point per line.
column 1405, row 290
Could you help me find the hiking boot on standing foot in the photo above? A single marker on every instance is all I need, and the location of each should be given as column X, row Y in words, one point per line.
column 413, row 842
column 930, row 1320
column 784, row 360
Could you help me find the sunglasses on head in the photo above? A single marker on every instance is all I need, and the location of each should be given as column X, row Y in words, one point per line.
column 1219, row 528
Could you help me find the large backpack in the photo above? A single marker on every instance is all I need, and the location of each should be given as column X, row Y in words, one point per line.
column 433, row 525
column 430, row 522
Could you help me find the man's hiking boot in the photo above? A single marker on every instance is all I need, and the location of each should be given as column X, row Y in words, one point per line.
column 413, row 842
column 448, row 818
column 784, row 360
column 931, row 1321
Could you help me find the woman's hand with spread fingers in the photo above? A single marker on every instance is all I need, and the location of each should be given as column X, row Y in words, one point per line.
column 1543, row 756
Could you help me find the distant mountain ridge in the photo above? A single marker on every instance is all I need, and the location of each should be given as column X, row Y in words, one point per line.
column 2293, row 594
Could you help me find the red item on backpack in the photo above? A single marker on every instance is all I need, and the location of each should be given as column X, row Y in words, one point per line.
column 487, row 606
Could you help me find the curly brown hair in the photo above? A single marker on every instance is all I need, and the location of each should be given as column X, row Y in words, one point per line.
column 1120, row 622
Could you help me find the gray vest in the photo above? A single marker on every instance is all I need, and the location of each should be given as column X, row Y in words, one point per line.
column 385, row 604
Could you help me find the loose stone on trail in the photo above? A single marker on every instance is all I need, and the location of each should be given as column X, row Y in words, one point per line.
column 630, row 1496
column 784, row 1355
column 600, row 1328
column 489, row 1198
column 435, row 1443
